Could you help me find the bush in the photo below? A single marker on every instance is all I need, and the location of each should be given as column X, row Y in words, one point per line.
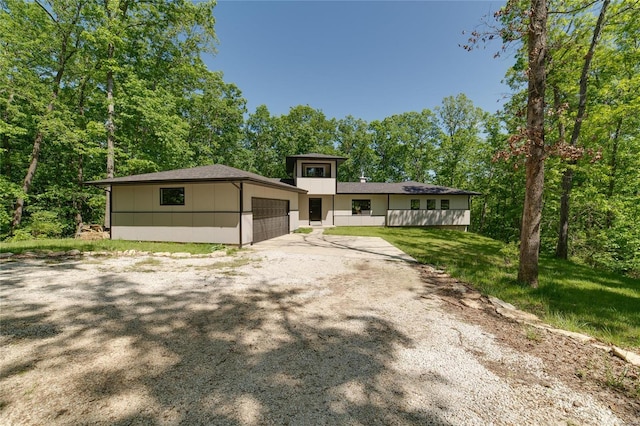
column 45, row 224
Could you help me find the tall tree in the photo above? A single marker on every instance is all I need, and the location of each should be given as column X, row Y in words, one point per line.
column 534, row 144
column 562, row 247
column 60, row 21
column 460, row 123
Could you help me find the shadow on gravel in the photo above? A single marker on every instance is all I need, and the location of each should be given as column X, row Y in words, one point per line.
column 205, row 357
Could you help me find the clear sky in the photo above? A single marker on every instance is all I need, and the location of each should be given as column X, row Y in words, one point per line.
column 368, row 59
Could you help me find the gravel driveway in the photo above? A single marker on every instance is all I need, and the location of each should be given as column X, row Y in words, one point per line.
column 302, row 329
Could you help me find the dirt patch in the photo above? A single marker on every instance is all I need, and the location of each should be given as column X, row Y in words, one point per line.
column 581, row 366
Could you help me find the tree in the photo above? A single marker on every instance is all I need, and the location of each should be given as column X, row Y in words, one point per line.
column 562, row 247
column 534, row 144
column 460, row 124
column 59, row 21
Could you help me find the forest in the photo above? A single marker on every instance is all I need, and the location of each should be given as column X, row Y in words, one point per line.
column 90, row 90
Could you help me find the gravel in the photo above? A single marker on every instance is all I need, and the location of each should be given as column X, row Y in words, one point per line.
column 299, row 330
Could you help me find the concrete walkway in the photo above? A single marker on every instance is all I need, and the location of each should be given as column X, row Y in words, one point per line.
column 344, row 246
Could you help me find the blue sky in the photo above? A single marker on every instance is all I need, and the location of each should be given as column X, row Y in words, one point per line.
column 369, row 59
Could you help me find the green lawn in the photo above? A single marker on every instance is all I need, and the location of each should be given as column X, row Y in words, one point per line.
column 571, row 296
column 65, row 244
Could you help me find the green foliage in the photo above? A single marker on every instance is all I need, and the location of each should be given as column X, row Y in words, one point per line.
column 28, row 244
column 570, row 295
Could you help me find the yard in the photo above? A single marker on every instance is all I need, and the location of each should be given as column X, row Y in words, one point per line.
column 570, row 296
column 302, row 329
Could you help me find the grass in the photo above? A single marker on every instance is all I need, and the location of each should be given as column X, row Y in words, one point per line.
column 65, row 244
column 303, row 231
column 570, row 296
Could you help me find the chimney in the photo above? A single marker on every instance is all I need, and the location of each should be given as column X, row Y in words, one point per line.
column 363, row 178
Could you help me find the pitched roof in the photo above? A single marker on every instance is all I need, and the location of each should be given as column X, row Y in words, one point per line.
column 407, row 188
column 214, row 172
column 291, row 159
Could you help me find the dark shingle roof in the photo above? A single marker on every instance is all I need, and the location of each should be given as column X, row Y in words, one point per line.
column 291, row 159
column 399, row 188
column 214, row 172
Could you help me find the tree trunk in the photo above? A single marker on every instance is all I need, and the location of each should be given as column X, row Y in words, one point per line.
column 33, row 165
column 534, row 166
column 613, row 166
column 110, row 139
column 562, row 247
column 76, row 203
column 6, row 142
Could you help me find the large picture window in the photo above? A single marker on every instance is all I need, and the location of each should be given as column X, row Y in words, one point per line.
column 172, row 196
column 361, row 207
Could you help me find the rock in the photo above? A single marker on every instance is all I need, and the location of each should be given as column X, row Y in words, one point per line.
column 501, row 304
column 218, row 253
column 162, row 254
column 5, row 255
column 577, row 336
column 74, row 252
column 603, row 347
column 180, row 255
column 628, row 356
column 517, row 315
column 473, row 295
column 57, row 254
column 471, row 303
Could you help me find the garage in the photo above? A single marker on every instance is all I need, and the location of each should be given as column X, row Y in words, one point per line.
column 270, row 218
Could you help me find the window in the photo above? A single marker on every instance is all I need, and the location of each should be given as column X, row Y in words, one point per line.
column 431, row 204
column 172, row 196
column 415, row 204
column 316, row 170
column 444, row 204
column 360, row 206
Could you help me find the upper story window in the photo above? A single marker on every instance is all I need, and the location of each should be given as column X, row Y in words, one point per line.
column 316, row 170
column 431, row 204
column 172, row 196
column 415, row 204
column 444, row 204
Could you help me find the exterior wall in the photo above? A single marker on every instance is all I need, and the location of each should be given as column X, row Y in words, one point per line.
column 327, row 209
column 251, row 190
column 316, row 185
column 400, row 213
column 210, row 214
column 360, row 220
column 178, row 234
column 403, row 202
column 376, row 217
column 324, row 186
column 428, row 217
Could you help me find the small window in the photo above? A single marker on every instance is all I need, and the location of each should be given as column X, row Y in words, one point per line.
column 415, row 204
column 316, row 170
column 360, row 206
column 444, row 204
column 431, row 204
column 172, row 196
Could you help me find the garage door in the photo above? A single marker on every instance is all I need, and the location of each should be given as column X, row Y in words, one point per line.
column 270, row 218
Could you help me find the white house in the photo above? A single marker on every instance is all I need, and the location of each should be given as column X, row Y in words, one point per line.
column 221, row 204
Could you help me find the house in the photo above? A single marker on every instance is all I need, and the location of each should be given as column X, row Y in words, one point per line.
column 221, row 204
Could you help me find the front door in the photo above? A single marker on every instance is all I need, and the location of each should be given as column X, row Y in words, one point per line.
column 315, row 209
